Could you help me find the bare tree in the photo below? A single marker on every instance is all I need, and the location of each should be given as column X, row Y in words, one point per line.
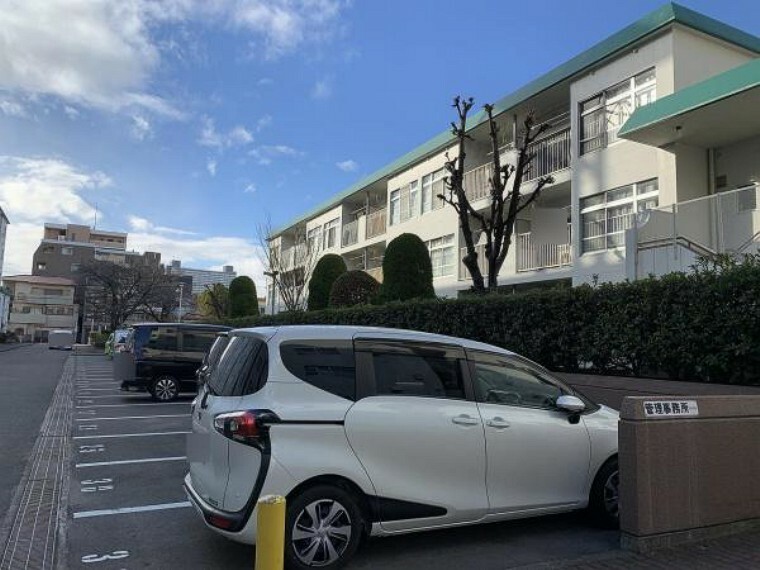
column 164, row 297
column 214, row 301
column 116, row 292
column 506, row 200
column 289, row 267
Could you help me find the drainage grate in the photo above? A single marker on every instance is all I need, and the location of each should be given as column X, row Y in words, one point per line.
column 31, row 524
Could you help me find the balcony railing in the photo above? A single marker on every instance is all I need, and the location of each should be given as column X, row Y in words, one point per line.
column 476, row 182
column 531, row 256
column 350, row 234
column 552, row 154
column 482, row 263
column 376, row 222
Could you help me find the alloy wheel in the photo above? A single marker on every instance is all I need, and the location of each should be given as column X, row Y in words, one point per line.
column 612, row 494
column 321, row 533
column 165, row 389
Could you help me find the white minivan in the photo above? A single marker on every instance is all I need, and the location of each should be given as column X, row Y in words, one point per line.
column 370, row 431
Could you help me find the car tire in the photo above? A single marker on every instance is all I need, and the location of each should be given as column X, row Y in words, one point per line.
column 311, row 515
column 604, row 502
column 164, row 389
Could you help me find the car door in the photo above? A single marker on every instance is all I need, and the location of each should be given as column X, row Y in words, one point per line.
column 537, row 456
column 418, row 436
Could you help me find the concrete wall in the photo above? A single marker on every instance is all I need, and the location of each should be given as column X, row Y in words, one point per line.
column 739, row 163
column 686, row 478
column 698, row 56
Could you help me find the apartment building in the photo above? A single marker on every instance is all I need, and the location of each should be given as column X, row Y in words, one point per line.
column 39, row 305
column 652, row 144
column 65, row 248
column 203, row 277
column 5, row 299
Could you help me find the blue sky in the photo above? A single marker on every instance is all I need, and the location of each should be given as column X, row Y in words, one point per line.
column 189, row 123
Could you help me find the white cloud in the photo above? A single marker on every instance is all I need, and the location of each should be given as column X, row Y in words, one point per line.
column 210, row 137
column 347, row 165
column 265, row 154
column 71, row 112
column 105, row 54
column 211, row 166
column 141, row 128
column 264, row 122
column 12, row 108
column 250, row 188
column 138, row 224
column 265, row 82
column 38, row 190
column 322, row 89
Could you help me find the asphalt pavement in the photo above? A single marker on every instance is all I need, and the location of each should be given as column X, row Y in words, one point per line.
column 28, row 376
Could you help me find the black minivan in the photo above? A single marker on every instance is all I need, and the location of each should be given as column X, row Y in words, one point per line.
column 163, row 358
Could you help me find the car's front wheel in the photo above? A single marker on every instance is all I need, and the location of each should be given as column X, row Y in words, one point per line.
column 604, row 502
column 165, row 389
column 323, row 528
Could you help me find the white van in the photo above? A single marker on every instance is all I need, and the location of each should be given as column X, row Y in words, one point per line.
column 61, row 339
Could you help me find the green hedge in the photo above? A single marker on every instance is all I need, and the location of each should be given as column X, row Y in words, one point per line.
column 700, row 327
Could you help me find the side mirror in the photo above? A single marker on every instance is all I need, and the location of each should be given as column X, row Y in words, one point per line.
column 572, row 404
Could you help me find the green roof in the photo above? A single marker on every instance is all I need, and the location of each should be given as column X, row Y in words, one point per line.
column 663, row 16
column 721, row 86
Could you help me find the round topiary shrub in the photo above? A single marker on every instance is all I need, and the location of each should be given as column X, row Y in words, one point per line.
column 407, row 271
column 243, row 300
column 328, row 269
column 353, row 288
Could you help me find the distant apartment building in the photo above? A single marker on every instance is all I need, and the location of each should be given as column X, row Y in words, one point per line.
column 65, row 248
column 5, row 299
column 652, row 142
column 39, row 305
column 203, row 277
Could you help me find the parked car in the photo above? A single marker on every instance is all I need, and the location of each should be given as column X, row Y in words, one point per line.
column 212, row 357
column 61, row 339
column 370, row 431
column 163, row 358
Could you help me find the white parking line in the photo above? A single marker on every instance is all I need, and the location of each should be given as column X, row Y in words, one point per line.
column 130, row 461
column 127, row 510
column 141, row 395
column 113, row 388
column 130, row 405
column 117, row 435
column 135, row 417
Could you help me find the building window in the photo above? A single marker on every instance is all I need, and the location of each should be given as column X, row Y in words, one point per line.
column 442, row 255
column 41, row 266
column 410, row 200
column 433, row 185
column 67, row 251
column 606, row 216
column 75, row 267
column 314, row 239
column 603, row 114
column 395, row 214
column 330, row 233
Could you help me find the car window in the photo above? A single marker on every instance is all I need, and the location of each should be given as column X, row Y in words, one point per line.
column 242, row 369
column 197, row 340
column 417, row 374
column 162, row 339
column 216, row 350
column 501, row 380
column 328, row 365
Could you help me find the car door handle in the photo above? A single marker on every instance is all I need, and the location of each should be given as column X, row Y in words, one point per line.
column 465, row 420
column 497, row 423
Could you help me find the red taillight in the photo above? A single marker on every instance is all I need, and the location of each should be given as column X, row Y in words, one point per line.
column 238, row 426
column 219, row 522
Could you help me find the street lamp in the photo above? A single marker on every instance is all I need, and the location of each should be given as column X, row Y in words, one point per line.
column 273, row 274
column 179, row 310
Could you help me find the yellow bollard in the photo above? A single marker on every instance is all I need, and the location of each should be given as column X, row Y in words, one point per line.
column 270, row 533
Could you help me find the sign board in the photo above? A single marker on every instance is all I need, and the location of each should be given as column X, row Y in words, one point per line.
column 671, row 408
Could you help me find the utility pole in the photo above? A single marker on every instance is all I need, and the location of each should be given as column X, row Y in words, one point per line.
column 273, row 274
column 179, row 310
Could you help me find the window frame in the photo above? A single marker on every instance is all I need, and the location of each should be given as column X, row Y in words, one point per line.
column 446, row 241
column 394, row 207
column 340, row 344
column 634, row 200
column 366, row 347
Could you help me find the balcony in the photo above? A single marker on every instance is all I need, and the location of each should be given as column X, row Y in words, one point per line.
column 350, row 233
column 531, row 257
column 376, row 223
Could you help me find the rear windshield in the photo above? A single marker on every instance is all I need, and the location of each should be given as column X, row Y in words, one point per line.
column 242, row 369
column 217, row 349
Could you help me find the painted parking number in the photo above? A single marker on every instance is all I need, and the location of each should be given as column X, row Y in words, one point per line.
column 97, row 448
column 115, row 555
column 96, row 485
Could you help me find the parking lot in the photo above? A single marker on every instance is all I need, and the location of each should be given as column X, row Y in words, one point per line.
column 127, row 509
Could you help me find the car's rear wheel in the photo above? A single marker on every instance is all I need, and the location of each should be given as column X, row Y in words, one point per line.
column 323, row 528
column 165, row 389
column 604, row 502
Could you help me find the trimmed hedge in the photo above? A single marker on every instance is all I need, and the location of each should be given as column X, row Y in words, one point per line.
column 407, row 271
column 326, row 271
column 700, row 327
column 353, row 288
column 243, row 299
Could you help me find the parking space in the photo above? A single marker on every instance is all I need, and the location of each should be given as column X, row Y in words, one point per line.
column 127, row 509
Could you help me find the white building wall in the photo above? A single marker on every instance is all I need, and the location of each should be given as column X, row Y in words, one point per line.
column 698, row 56
column 622, row 162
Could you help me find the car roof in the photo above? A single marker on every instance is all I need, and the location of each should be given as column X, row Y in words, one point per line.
column 184, row 326
column 344, row 332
